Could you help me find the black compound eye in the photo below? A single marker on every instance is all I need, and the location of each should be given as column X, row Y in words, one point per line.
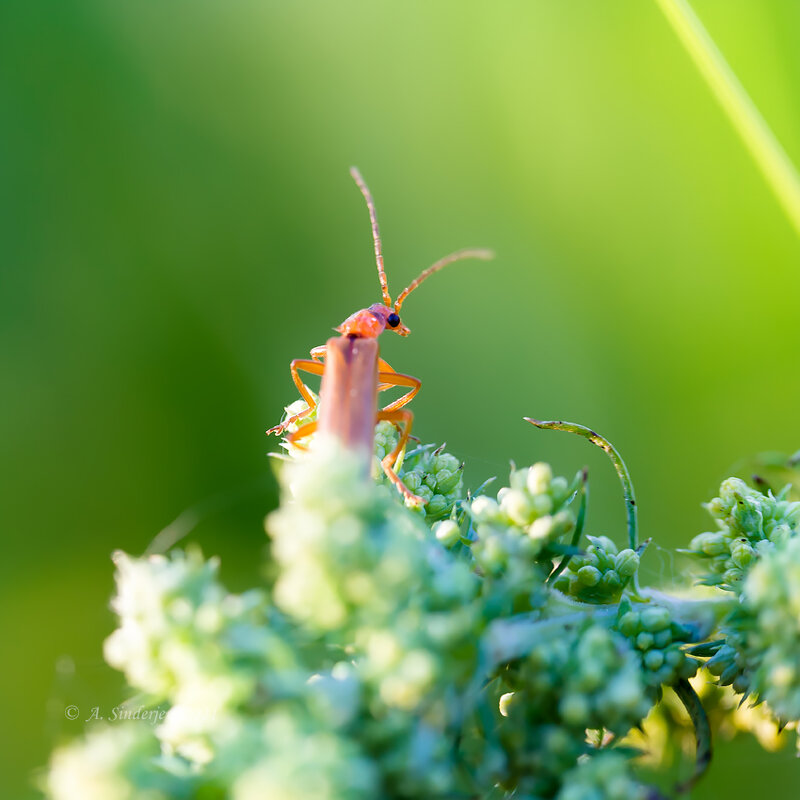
column 393, row 320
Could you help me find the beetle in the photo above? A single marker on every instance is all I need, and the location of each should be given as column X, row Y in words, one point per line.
column 353, row 372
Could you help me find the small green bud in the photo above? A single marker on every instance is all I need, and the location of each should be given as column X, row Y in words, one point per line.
column 780, row 534
column 644, row 641
column 629, row 624
column 711, row 544
column 655, row 618
column 721, row 660
column 626, row 563
column 605, row 561
column 741, row 683
column 610, row 582
column 731, row 489
column 447, row 532
column 603, row 543
column 688, row 668
column 717, row 508
column 674, row 657
column 412, row 480
column 447, row 480
column 542, row 504
column 425, row 493
column 541, row 529
column 445, row 462
column 747, row 515
column 732, row 575
column 589, row 576
column 562, row 583
column 517, row 506
column 437, row 506
column 539, row 477
column 742, row 554
column 653, row 659
column 484, row 509
column 517, row 479
column 662, row 638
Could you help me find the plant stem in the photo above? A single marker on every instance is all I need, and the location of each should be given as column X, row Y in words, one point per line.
column 702, row 732
column 616, row 460
column 776, row 166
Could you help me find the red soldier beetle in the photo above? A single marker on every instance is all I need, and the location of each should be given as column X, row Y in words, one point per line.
column 353, row 373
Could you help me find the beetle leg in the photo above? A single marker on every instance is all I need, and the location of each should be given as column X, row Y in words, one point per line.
column 301, row 433
column 400, row 417
column 389, row 379
column 312, row 368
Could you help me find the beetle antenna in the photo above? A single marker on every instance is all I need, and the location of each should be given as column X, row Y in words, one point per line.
column 442, row 262
column 376, row 236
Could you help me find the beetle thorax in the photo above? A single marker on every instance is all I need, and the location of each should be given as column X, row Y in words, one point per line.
column 367, row 323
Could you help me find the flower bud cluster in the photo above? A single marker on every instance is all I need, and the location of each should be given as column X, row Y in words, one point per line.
column 729, row 663
column 574, row 678
column 658, row 640
column 588, row 679
column 359, row 573
column 111, row 763
column 184, row 639
column 515, row 532
column 294, row 756
column 391, row 659
column 604, row 776
column 599, row 574
column 749, row 523
column 429, row 472
column 762, row 654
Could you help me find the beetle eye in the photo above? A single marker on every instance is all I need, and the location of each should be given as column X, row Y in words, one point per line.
column 393, row 320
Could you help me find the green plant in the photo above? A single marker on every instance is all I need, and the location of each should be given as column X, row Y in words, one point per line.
column 477, row 647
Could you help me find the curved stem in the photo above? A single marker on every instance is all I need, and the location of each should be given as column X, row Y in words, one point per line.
column 616, row 460
column 702, row 732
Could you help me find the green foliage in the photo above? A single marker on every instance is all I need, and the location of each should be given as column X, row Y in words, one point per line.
column 600, row 573
column 749, row 523
column 659, row 640
column 475, row 649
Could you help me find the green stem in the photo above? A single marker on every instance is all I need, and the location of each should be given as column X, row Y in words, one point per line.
column 616, row 460
column 775, row 165
column 702, row 732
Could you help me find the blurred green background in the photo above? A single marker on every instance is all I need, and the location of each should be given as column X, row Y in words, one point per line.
column 177, row 222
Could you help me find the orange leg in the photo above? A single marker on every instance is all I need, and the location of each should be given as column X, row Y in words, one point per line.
column 384, row 366
column 398, row 417
column 388, row 379
column 301, row 433
column 312, row 368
